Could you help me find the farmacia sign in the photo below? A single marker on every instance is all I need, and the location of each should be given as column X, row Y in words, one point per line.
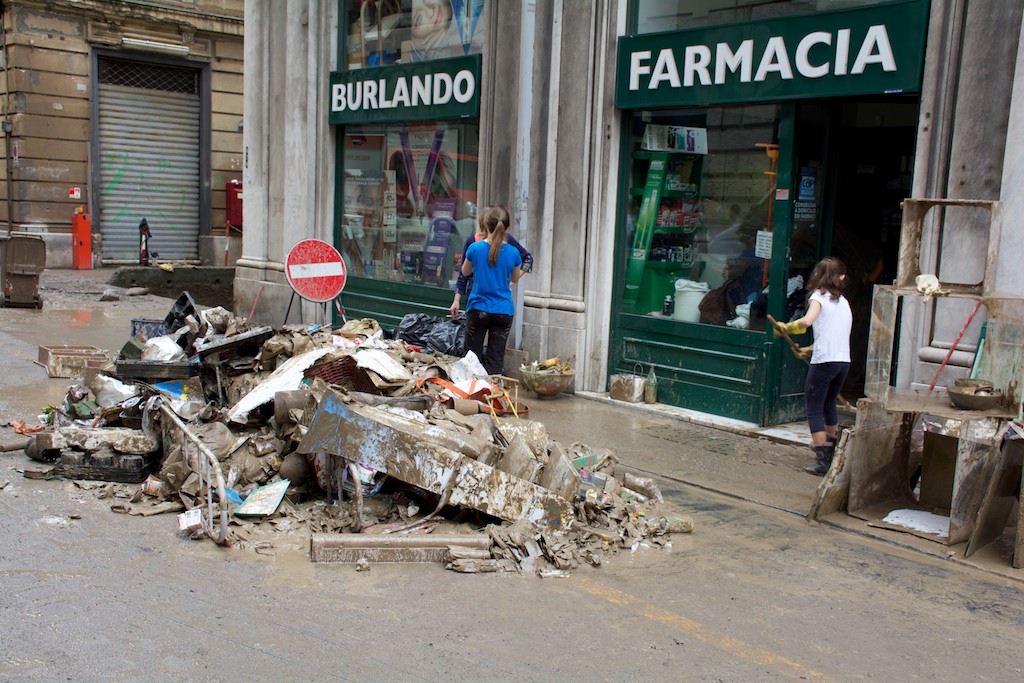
column 879, row 49
column 437, row 90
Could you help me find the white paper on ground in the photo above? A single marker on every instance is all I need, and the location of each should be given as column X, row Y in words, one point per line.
column 919, row 520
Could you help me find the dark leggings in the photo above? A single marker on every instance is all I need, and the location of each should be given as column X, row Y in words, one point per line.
column 824, row 380
column 496, row 328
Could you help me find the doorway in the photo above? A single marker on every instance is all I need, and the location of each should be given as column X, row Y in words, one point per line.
column 852, row 168
column 874, row 164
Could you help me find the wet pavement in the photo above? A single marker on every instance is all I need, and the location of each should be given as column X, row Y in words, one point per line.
column 736, row 459
column 756, row 593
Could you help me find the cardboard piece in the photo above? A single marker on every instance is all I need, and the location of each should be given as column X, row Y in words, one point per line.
column 264, row 500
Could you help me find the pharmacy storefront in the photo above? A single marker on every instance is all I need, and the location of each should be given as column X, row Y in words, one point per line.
column 407, row 107
column 751, row 149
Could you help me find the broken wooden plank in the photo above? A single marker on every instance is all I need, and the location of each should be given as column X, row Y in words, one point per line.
column 392, row 547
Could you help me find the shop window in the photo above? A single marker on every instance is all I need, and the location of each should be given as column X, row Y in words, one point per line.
column 382, row 32
column 409, row 200
column 698, row 224
column 653, row 16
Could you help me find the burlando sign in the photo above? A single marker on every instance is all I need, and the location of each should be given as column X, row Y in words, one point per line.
column 421, row 91
column 870, row 50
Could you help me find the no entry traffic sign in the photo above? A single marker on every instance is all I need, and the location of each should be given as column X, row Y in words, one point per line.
column 315, row 270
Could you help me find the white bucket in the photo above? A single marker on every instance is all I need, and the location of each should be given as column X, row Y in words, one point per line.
column 689, row 294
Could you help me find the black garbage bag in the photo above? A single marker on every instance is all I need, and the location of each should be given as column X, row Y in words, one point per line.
column 431, row 332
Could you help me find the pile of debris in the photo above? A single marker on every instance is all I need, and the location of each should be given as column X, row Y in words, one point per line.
column 307, row 430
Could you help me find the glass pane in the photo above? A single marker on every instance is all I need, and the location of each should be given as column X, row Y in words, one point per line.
column 385, row 32
column 409, row 200
column 673, row 15
column 808, row 203
column 702, row 188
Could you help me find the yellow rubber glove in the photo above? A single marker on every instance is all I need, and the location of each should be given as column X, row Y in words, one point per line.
column 782, row 329
column 804, row 352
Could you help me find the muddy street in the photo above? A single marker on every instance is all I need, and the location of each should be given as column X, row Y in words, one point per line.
column 755, row 593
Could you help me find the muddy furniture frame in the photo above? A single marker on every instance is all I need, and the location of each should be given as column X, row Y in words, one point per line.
column 877, row 470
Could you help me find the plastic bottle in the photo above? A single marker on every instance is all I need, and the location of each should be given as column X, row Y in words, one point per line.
column 651, row 387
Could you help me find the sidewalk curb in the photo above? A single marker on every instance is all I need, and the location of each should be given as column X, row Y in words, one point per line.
column 782, row 434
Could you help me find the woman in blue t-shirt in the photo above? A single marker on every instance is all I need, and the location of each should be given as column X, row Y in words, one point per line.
column 495, row 266
column 463, row 284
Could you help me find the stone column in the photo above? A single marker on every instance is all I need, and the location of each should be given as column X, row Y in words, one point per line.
column 570, row 208
column 288, row 191
column 1009, row 277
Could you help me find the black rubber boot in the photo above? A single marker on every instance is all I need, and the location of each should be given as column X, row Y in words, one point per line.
column 824, row 460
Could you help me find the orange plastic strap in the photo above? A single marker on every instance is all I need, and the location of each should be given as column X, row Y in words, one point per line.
column 444, row 383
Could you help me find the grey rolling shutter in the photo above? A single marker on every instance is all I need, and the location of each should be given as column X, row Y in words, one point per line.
column 149, row 159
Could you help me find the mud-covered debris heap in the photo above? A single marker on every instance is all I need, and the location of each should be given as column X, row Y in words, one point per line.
column 367, row 433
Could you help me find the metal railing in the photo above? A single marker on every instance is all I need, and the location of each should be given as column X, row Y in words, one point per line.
column 203, row 462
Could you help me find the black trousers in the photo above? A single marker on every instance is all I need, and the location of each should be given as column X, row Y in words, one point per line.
column 495, row 327
column 821, row 390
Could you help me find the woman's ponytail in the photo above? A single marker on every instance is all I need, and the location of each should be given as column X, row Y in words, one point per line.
column 497, row 224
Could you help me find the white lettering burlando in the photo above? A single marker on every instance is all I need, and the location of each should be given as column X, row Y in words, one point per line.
column 464, row 86
column 803, row 62
column 442, row 88
column 338, row 97
column 742, row 59
column 774, row 59
column 421, row 90
column 636, row 69
column 875, row 50
column 427, row 90
column 696, row 62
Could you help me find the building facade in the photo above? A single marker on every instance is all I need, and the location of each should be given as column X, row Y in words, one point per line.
column 125, row 111
column 676, row 168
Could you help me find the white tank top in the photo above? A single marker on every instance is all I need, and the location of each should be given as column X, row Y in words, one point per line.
column 831, row 329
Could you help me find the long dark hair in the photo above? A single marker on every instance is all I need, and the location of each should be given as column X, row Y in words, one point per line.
column 496, row 221
column 828, row 276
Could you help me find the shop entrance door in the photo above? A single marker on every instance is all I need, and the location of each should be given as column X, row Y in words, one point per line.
column 851, row 164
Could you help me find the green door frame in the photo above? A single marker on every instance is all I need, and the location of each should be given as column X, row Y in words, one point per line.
column 780, row 403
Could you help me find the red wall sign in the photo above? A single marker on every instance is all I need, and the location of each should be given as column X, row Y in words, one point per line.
column 315, row 270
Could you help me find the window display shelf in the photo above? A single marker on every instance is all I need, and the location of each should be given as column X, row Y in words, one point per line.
column 673, row 265
column 678, row 229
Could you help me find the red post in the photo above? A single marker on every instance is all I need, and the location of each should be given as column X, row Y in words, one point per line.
column 81, row 240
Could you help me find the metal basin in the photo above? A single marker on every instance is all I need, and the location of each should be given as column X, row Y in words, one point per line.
column 547, row 384
column 975, row 398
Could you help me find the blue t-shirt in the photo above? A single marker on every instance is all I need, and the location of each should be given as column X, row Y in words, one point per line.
column 492, row 291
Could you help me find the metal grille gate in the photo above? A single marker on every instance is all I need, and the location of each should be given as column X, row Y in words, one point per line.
column 149, row 126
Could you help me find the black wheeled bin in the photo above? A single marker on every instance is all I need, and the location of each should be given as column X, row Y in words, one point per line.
column 22, row 259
